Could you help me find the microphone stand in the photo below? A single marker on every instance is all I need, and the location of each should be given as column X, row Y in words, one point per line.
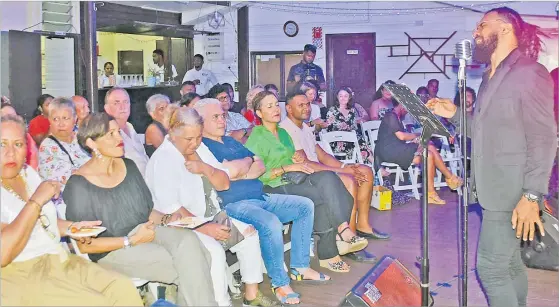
column 463, row 205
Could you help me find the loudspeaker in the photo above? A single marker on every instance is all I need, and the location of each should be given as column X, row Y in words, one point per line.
column 543, row 252
column 388, row 283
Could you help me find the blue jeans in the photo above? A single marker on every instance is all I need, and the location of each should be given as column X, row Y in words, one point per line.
column 268, row 217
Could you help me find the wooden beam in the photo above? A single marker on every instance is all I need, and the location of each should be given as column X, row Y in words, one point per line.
column 243, row 53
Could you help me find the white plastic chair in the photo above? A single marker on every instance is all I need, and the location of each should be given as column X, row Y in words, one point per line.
column 344, row 136
column 368, row 128
column 452, row 158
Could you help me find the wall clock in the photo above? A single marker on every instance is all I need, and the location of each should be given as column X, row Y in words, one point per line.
column 291, row 28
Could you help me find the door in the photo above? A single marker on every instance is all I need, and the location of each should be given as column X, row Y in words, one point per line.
column 178, row 57
column 351, row 61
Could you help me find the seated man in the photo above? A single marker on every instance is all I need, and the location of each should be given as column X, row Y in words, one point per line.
column 357, row 178
column 180, row 181
column 246, row 201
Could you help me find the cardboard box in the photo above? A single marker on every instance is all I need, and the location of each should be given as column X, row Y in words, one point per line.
column 382, row 198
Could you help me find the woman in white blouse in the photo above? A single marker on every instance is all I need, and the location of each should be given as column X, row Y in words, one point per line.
column 108, row 77
column 36, row 270
column 60, row 154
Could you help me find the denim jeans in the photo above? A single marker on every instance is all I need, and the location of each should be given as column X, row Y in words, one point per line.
column 268, row 217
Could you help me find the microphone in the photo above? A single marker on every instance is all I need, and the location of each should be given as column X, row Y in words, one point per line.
column 463, row 52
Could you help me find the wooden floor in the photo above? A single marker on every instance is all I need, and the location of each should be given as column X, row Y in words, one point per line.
column 405, row 226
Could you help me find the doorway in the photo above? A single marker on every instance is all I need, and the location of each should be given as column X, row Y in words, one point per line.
column 351, row 61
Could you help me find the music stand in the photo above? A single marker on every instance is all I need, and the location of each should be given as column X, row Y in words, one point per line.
column 431, row 125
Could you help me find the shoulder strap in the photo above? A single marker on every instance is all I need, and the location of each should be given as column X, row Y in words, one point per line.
column 211, row 208
column 62, row 147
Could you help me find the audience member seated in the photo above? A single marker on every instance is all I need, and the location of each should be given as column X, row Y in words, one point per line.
column 136, row 243
column 246, row 201
column 315, row 119
column 342, row 116
column 272, row 88
column 156, row 131
column 235, row 105
column 187, row 87
column 361, row 114
column 358, row 178
column 394, row 145
column 39, row 125
column 287, row 173
column 383, row 102
column 60, row 154
column 237, row 125
column 82, row 109
column 423, row 93
column 117, row 105
column 32, row 157
column 36, row 270
column 181, row 182
column 190, row 99
column 248, row 110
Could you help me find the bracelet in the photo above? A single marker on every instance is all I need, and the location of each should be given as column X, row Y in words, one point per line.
column 165, row 219
column 283, row 170
column 30, row 201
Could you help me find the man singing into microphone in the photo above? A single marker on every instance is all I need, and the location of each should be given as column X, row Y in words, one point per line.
column 513, row 145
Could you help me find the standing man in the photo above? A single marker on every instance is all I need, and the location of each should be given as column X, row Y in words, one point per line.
column 513, row 145
column 159, row 65
column 203, row 78
column 306, row 70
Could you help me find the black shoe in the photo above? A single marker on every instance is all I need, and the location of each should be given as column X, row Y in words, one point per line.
column 362, row 256
column 376, row 235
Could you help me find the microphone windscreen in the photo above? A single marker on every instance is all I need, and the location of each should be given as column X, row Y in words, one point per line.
column 463, row 50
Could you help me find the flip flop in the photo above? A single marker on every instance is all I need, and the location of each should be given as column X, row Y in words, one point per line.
column 297, row 276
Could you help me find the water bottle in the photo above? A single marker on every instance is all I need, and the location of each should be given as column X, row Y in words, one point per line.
column 377, row 182
column 161, row 302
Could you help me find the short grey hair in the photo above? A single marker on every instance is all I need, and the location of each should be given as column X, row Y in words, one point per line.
column 152, row 102
column 62, row 102
column 112, row 90
column 201, row 104
column 17, row 120
column 182, row 117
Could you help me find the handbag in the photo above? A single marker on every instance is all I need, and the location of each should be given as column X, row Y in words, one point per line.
column 221, row 217
column 294, row 177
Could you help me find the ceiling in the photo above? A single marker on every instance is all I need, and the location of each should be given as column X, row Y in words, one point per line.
column 174, row 6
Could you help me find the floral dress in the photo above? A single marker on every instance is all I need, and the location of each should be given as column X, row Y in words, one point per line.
column 338, row 122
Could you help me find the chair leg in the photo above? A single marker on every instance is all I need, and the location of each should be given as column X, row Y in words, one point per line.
column 413, row 172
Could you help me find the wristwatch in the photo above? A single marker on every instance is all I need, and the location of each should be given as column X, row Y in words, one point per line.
column 127, row 243
column 531, row 197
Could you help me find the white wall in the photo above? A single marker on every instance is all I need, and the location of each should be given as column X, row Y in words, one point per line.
column 18, row 15
column 266, row 34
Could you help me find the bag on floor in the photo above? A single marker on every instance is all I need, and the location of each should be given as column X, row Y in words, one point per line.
column 543, row 252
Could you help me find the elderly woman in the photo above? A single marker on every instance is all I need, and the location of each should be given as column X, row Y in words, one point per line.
column 286, row 173
column 180, row 181
column 342, row 116
column 39, row 125
column 237, row 126
column 248, row 111
column 111, row 189
column 60, row 154
column 36, row 270
column 32, row 158
column 156, row 131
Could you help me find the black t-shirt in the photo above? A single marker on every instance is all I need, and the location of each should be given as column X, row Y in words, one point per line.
column 389, row 148
column 121, row 208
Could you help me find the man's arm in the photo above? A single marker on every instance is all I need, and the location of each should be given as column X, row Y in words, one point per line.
column 539, row 127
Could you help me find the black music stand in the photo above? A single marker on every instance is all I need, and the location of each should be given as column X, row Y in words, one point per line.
column 431, row 125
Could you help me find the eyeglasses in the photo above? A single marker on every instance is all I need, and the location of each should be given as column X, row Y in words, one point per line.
column 45, row 223
column 223, row 98
column 218, row 116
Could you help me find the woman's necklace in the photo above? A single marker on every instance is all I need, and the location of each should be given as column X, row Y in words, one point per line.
column 12, row 191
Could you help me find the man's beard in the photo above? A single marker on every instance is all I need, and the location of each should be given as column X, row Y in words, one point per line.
column 483, row 51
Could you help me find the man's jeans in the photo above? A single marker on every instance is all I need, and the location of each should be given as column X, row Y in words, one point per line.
column 268, row 217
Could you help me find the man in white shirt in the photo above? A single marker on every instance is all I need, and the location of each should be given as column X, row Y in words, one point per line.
column 203, row 78
column 158, row 65
column 175, row 175
column 117, row 105
column 357, row 178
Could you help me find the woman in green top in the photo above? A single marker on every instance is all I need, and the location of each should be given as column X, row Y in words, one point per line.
column 332, row 201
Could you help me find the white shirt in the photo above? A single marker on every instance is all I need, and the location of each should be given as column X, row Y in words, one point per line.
column 40, row 243
column 105, row 81
column 134, row 148
column 302, row 138
column 160, row 70
column 206, row 77
column 315, row 112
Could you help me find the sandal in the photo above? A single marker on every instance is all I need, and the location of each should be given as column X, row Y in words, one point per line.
column 354, row 244
column 454, row 182
column 297, row 276
column 338, row 267
column 433, row 198
column 283, row 297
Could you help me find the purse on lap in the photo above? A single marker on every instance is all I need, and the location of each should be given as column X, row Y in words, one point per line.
column 294, row 177
column 220, row 218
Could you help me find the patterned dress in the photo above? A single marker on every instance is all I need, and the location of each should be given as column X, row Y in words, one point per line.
column 338, row 122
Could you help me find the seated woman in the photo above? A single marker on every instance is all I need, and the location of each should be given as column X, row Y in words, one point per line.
column 180, row 181
column 342, row 116
column 32, row 157
column 36, row 270
column 60, row 154
column 333, row 203
column 39, row 125
column 111, row 189
column 315, row 119
column 247, row 111
column 189, row 99
column 383, row 103
column 155, row 132
column 394, row 145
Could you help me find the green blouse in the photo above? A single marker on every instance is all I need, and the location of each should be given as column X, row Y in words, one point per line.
column 273, row 151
